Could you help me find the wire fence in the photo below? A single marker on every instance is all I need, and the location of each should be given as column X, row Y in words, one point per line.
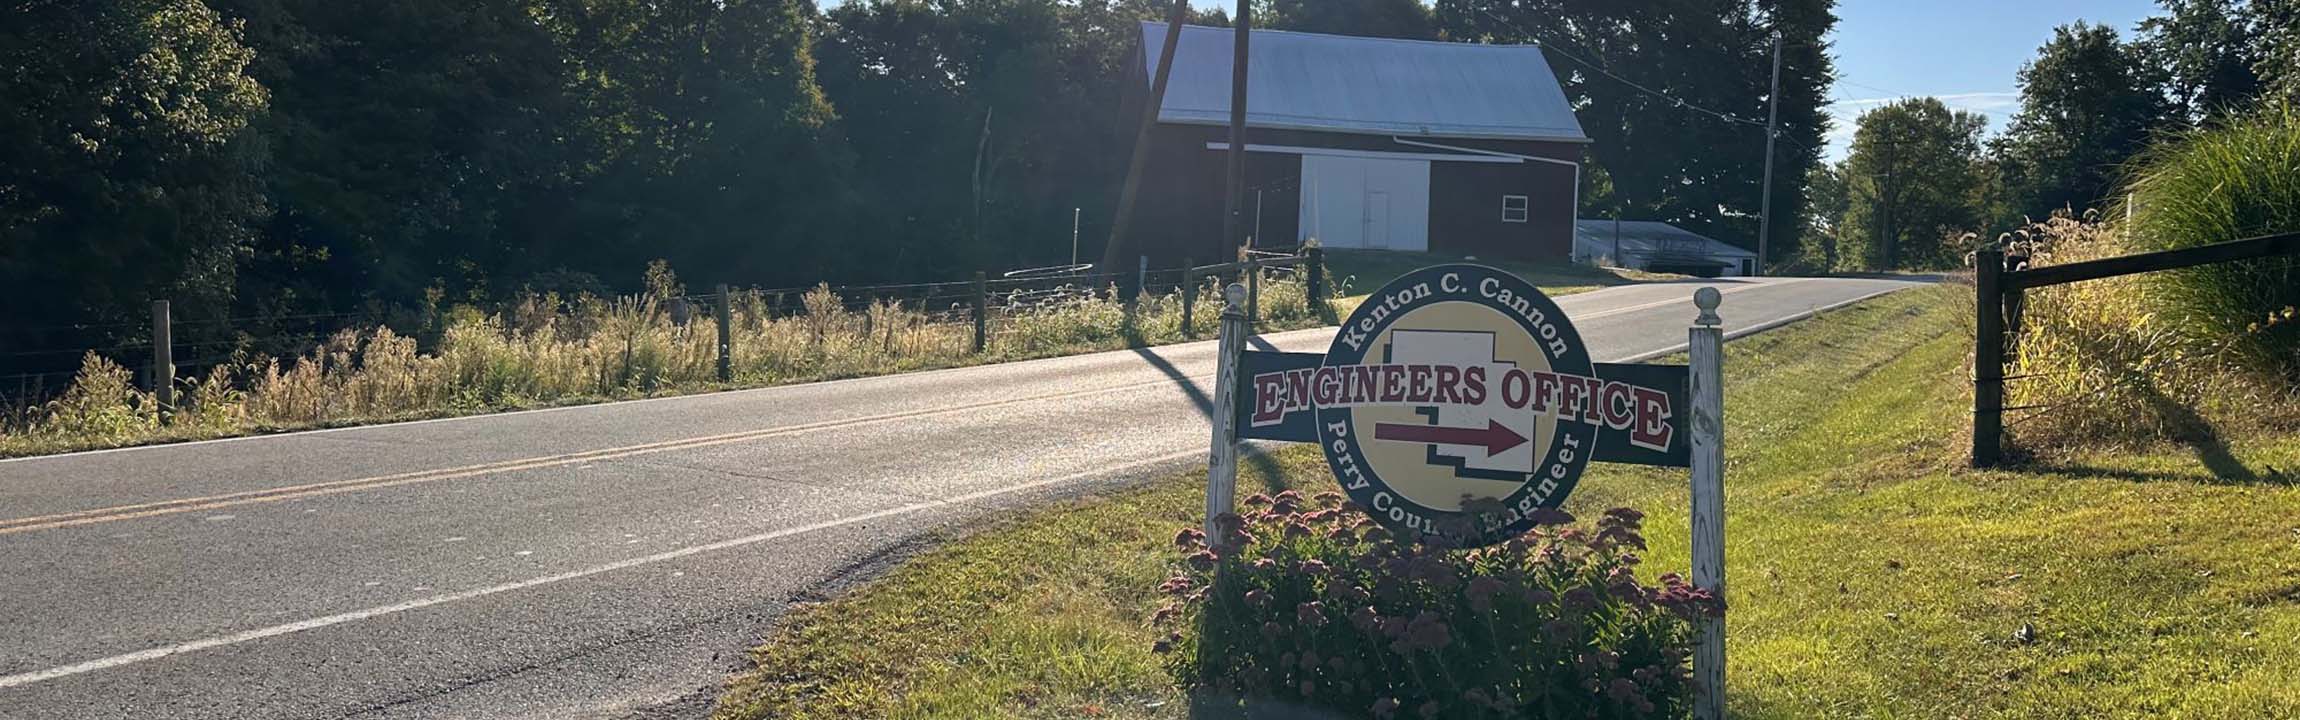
column 995, row 304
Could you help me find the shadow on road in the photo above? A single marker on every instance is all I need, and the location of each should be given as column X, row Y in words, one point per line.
column 1262, row 464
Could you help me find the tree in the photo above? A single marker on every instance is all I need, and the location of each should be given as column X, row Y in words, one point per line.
column 2088, row 103
column 1913, row 181
column 1827, row 199
column 1673, row 95
column 408, row 139
column 716, row 145
column 127, row 162
column 1408, row 19
column 1025, row 95
column 2275, row 29
column 2207, row 51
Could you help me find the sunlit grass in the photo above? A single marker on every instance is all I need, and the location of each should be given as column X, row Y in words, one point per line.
column 1870, row 574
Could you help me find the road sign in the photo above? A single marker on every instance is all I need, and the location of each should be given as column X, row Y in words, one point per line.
column 1459, row 396
column 1459, row 399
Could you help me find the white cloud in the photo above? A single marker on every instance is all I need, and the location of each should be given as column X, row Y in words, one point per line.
column 1996, row 105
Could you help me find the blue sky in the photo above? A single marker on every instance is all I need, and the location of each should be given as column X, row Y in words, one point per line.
column 1964, row 52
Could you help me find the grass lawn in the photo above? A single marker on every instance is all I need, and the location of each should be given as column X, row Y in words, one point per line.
column 1870, row 574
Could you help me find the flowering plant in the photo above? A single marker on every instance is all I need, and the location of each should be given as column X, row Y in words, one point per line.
column 1307, row 602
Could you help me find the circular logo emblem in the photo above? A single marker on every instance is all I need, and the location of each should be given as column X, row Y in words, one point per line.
column 1450, row 404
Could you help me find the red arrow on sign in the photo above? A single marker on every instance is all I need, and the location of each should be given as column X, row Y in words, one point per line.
column 1496, row 437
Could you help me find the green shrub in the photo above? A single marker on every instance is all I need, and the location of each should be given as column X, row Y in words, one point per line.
column 103, row 404
column 1318, row 607
column 2237, row 180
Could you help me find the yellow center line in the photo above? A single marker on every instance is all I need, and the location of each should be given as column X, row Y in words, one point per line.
column 1677, row 301
column 185, row 505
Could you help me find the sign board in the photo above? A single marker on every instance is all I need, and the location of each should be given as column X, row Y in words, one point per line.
column 1462, row 386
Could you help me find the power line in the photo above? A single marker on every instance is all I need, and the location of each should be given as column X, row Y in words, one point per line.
column 1898, row 95
column 1601, row 70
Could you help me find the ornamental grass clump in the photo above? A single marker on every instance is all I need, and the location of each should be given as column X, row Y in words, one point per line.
column 2234, row 180
column 1316, row 606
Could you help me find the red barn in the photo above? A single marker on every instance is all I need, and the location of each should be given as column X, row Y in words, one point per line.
column 1372, row 143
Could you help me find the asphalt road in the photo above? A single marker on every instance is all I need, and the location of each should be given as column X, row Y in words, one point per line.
column 608, row 560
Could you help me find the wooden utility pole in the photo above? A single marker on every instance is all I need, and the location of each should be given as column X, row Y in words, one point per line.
column 1157, row 100
column 1772, row 129
column 1234, row 199
column 981, row 148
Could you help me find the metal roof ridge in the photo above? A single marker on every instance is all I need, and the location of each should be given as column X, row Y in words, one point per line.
column 1369, row 38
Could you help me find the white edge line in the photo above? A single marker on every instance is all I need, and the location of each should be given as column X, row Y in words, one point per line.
column 114, row 661
column 1765, row 326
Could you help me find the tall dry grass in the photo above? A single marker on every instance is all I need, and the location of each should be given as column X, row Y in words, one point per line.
column 541, row 349
column 2115, row 362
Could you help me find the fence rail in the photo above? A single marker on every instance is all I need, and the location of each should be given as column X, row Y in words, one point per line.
column 1998, row 283
column 983, row 300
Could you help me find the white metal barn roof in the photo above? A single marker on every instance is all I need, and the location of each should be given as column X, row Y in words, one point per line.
column 1335, row 83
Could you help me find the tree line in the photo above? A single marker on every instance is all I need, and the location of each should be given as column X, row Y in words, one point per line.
column 1921, row 173
column 254, row 159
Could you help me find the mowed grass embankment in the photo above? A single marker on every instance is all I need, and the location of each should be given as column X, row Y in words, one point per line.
column 1870, row 574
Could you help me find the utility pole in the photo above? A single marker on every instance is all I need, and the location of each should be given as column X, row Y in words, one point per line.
column 1772, row 125
column 1256, row 238
column 981, row 147
column 1234, row 201
column 1892, row 198
column 1141, row 156
column 1887, row 248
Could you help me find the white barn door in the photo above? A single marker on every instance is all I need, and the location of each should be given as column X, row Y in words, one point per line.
column 1371, row 203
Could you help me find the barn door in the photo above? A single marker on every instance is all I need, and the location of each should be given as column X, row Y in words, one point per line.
column 1377, row 220
column 1365, row 202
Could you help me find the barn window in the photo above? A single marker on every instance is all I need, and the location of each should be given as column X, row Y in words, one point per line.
column 1514, row 208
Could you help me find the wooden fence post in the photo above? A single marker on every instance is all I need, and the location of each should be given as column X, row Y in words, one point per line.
column 1253, row 293
column 1316, row 265
column 1705, row 348
column 163, row 356
column 981, row 311
column 726, row 334
column 1189, row 296
column 1222, row 461
column 1988, row 357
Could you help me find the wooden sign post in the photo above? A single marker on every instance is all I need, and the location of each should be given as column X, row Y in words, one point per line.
column 1705, row 349
column 1222, row 462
